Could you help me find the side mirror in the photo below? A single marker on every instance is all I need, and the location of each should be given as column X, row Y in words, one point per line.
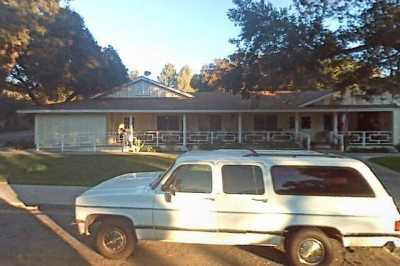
column 171, row 189
column 169, row 192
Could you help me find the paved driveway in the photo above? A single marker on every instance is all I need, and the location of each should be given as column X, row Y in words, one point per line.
column 27, row 239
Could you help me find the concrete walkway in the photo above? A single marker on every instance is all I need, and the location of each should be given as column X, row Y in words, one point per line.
column 37, row 195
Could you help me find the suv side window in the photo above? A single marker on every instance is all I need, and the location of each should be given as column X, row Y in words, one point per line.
column 192, row 178
column 242, row 179
column 319, row 181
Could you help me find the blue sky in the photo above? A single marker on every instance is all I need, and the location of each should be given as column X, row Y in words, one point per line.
column 150, row 33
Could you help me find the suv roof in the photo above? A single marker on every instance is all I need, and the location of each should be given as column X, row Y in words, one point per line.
column 260, row 155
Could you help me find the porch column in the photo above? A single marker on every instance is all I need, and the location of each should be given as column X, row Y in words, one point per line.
column 395, row 126
column 296, row 123
column 131, row 126
column 184, row 130
column 335, row 127
column 37, row 144
column 240, row 127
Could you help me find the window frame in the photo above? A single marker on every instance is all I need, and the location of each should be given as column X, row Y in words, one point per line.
column 172, row 171
column 301, row 122
column 265, row 179
column 166, row 119
column 373, row 195
column 264, row 125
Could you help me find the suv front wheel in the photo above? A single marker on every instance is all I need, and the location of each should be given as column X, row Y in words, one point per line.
column 115, row 239
column 312, row 247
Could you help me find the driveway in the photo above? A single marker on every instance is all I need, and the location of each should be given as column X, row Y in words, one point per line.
column 27, row 239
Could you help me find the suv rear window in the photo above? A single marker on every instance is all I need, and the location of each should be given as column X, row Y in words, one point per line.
column 242, row 179
column 319, row 181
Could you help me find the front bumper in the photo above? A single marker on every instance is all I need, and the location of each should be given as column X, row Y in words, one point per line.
column 82, row 228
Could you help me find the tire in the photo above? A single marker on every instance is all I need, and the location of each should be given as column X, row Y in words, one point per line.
column 120, row 238
column 329, row 251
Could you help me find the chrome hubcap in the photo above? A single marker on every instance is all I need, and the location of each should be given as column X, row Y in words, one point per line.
column 114, row 240
column 311, row 252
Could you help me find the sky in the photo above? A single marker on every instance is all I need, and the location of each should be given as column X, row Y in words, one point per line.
column 150, row 33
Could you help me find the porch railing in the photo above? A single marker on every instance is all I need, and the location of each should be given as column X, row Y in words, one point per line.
column 363, row 138
column 97, row 141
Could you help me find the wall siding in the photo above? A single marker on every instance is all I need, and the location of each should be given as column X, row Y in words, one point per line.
column 50, row 127
column 142, row 89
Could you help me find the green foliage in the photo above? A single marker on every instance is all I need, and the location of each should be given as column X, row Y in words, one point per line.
column 63, row 61
column 184, row 79
column 301, row 48
column 168, row 76
column 20, row 20
column 133, row 74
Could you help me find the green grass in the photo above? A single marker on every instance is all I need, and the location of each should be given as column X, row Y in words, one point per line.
column 392, row 162
column 22, row 167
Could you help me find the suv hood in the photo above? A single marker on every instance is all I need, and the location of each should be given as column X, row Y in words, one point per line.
column 131, row 185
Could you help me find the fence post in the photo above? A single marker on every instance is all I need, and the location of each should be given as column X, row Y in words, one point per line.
column 62, row 143
column 308, row 142
column 157, row 138
column 364, row 138
column 341, row 139
column 212, row 137
column 94, row 143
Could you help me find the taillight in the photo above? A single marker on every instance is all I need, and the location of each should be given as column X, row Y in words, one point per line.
column 397, row 226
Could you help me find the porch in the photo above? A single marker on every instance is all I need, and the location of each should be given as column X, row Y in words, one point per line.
column 304, row 130
column 273, row 130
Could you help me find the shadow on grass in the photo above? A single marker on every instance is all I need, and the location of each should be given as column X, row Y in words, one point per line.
column 21, row 167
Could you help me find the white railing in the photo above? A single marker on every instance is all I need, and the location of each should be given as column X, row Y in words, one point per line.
column 363, row 138
column 96, row 141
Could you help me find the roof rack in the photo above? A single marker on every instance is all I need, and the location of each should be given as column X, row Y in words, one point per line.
column 254, row 153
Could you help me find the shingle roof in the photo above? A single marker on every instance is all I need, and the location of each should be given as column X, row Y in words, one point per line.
column 201, row 101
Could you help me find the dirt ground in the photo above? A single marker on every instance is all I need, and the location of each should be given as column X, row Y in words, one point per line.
column 25, row 239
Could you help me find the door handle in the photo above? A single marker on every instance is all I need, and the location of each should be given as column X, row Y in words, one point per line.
column 262, row 200
column 209, row 198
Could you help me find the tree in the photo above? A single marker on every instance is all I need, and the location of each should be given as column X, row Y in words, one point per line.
column 65, row 62
column 184, row 78
column 133, row 74
column 168, row 75
column 296, row 49
column 20, row 20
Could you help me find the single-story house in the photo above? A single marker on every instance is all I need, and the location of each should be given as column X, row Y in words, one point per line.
column 160, row 115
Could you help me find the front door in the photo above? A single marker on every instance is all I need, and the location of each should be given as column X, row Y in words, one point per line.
column 244, row 213
column 189, row 215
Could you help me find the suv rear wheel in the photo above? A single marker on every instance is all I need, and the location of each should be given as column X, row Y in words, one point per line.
column 115, row 239
column 312, row 247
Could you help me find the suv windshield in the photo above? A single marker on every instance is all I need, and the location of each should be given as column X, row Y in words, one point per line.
column 158, row 179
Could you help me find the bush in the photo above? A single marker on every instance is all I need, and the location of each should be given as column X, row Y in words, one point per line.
column 20, row 144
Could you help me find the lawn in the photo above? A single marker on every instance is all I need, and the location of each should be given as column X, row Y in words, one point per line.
column 22, row 167
column 392, row 162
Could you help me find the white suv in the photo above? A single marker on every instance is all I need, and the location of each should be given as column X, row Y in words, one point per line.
column 314, row 204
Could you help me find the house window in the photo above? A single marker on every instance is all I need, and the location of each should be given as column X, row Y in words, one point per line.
column 167, row 122
column 143, row 91
column 292, row 122
column 306, row 122
column 215, row 122
column 328, row 121
column 265, row 122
